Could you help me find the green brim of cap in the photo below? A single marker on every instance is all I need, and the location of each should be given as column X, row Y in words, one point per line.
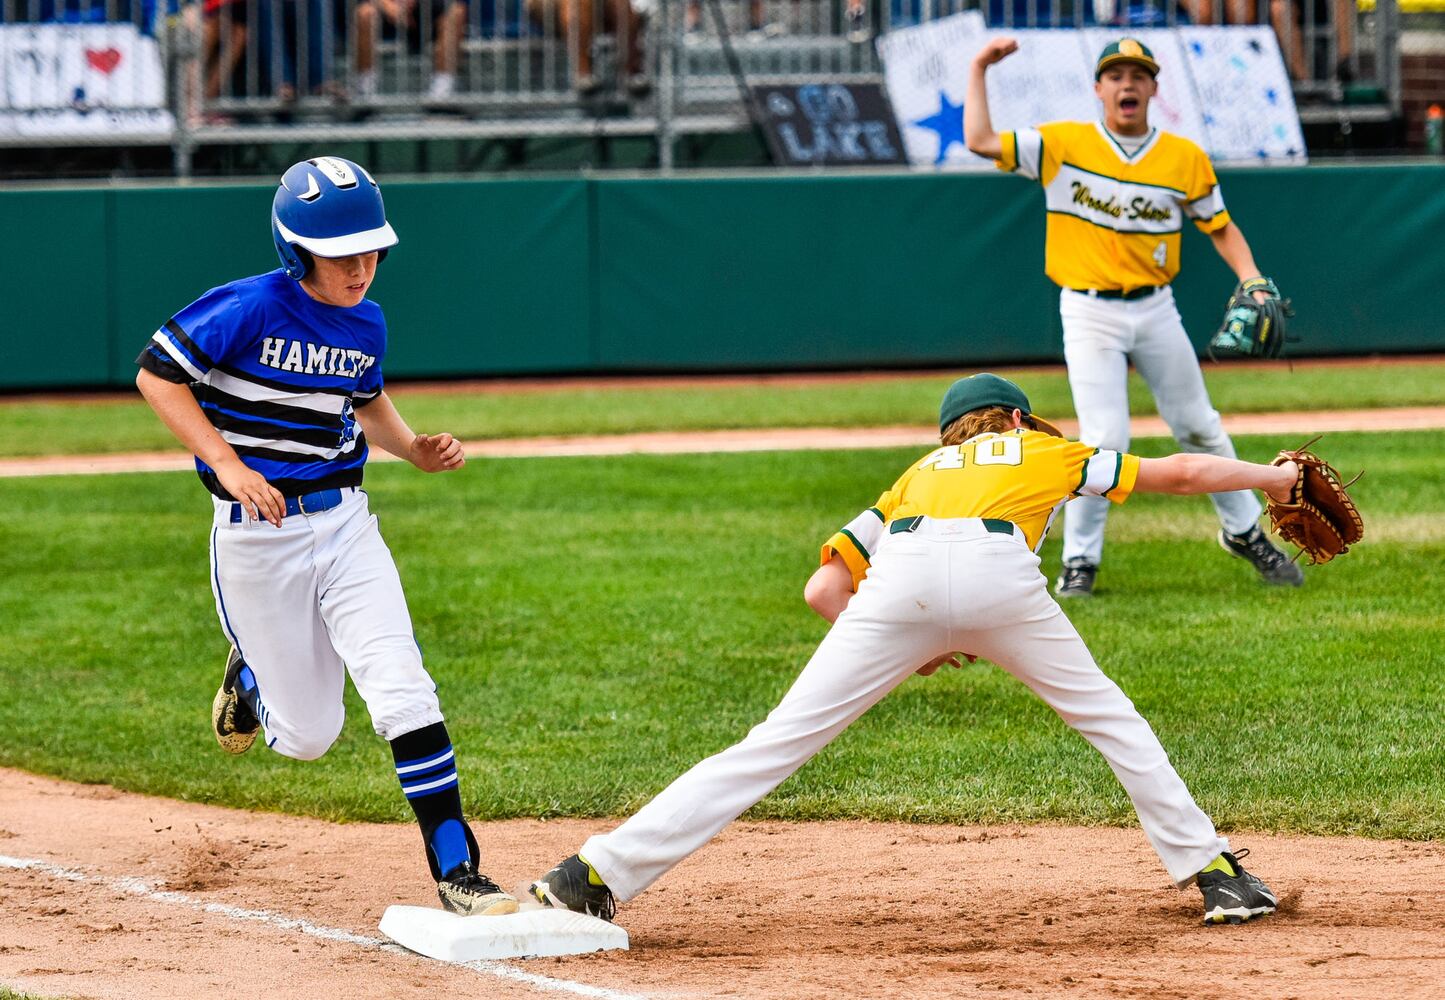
column 1119, row 57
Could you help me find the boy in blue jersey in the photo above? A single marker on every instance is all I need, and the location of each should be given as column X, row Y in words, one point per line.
column 275, row 384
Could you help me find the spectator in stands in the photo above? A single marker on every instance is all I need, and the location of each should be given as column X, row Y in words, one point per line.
column 390, row 19
column 223, row 42
column 305, row 50
column 576, row 21
column 1289, row 19
column 757, row 18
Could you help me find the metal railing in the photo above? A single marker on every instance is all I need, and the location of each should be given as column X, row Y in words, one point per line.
column 254, row 71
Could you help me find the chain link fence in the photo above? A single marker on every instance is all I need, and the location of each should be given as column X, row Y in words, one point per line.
column 186, row 73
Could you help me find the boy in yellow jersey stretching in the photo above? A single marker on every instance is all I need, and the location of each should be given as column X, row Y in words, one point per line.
column 1117, row 193
column 945, row 561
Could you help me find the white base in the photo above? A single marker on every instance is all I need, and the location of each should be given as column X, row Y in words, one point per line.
column 535, row 933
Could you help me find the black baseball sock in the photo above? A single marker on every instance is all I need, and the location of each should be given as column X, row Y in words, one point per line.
column 428, row 775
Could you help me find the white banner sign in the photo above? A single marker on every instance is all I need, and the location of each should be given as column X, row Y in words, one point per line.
column 1244, row 93
column 1224, row 88
column 80, row 79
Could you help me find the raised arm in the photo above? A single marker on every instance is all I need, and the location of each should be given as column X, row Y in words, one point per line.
column 978, row 130
column 1189, row 475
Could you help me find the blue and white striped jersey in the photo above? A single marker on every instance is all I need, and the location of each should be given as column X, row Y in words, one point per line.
column 277, row 373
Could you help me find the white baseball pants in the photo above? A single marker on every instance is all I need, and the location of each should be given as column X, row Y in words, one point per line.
column 1101, row 337
column 308, row 601
column 951, row 585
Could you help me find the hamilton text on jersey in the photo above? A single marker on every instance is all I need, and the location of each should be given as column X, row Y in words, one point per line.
column 313, row 359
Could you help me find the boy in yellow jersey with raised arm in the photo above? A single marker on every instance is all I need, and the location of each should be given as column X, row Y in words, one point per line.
column 945, row 561
column 1117, row 192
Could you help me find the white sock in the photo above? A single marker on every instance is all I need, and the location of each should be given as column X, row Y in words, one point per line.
column 443, row 85
column 366, row 83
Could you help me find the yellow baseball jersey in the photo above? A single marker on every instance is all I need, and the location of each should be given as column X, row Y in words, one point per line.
column 1023, row 476
column 1114, row 219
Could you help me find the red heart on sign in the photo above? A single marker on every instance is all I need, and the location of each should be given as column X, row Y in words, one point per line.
column 105, row 60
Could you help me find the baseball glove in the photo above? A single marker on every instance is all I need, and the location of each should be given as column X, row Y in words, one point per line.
column 1319, row 515
column 1253, row 329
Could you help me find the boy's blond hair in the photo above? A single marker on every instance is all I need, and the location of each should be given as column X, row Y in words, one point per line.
column 976, row 422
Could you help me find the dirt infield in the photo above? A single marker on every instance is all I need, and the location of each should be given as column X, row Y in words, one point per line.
column 126, row 896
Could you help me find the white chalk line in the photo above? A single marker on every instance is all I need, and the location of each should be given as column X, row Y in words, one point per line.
column 134, row 886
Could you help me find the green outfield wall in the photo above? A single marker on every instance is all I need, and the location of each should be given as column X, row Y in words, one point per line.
column 498, row 277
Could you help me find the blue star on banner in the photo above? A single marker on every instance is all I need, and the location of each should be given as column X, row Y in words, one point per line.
column 948, row 123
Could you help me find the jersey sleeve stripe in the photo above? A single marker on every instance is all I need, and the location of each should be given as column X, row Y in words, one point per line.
column 1206, row 207
column 160, row 364
column 1118, row 468
column 1029, row 152
column 161, row 338
column 863, row 549
column 184, row 340
column 845, row 546
column 877, row 513
column 1101, row 473
column 1084, row 472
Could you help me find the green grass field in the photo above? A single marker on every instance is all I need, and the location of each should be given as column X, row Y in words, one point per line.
column 80, row 426
column 598, row 625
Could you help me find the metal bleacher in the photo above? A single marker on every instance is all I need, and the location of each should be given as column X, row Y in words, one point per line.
column 294, row 74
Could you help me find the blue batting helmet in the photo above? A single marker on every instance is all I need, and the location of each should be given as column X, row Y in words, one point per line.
column 328, row 207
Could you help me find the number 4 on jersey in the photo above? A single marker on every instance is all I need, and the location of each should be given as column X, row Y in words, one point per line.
column 990, row 450
column 1161, row 253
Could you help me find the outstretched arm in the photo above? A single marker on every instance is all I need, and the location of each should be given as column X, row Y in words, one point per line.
column 1233, row 248
column 1189, row 475
column 978, row 130
column 385, row 428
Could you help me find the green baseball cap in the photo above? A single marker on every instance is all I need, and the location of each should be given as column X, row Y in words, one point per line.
column 1126, row 50
column 986, row 389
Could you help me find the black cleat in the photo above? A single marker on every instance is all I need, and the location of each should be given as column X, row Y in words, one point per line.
column 468, row 892
column 1233, row 899
column 232, row 721
column 1077, row 579
column 1273, row 565
column 575, row 885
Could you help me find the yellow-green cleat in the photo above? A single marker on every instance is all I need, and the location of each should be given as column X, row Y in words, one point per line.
column 575, row 885
column 1231, row 894
column 232, row 722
